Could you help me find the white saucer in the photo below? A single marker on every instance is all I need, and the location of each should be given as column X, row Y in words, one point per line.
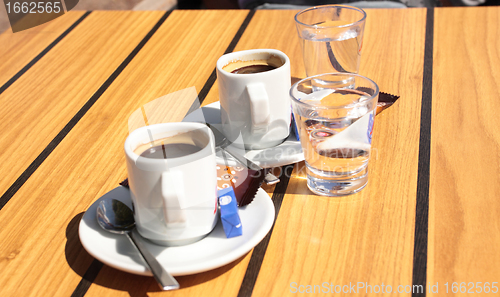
column 211, row 252
column 288, row 152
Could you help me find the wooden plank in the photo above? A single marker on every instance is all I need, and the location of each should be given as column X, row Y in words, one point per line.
column 464, row 209
column 41, row 102
column 18, row 49
column 89, row 161
column 167, row 64
column 223, row 281
column 35, row 109
column 366, row 237
column 266, row 31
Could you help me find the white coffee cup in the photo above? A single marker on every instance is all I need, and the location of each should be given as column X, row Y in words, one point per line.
column 174, row 199
column 255, row 107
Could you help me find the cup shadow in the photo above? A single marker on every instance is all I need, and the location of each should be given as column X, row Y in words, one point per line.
column 295, row 79
column 297, row 185
column 93, row 271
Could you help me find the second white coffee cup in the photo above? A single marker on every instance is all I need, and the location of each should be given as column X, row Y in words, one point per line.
column 255, row 107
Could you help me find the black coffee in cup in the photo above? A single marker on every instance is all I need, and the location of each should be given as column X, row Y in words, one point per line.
column 179, row 145
column 170, row 150
column 253, row 69
column 253, row 66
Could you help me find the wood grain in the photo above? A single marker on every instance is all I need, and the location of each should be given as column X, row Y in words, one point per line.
column 89, row 161
column 178, row 63
column 223, row 281
column 465, row 185
column 270, row 29
column 40, row 103
column 18, row 49
column 35, row 109
column 366, row 237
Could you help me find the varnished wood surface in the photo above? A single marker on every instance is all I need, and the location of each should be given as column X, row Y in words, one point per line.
column 42, row 101
column 367, row 237
column 18, row 49
column 91, row 156
column 464, row 214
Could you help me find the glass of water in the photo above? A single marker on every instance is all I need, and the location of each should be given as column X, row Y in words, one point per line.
column 331, row 38
column 334, row 114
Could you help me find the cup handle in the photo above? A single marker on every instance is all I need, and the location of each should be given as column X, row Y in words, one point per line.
column 259, row 107
column 172, row 190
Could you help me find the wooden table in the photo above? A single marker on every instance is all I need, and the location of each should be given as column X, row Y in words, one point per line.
column 429, row 215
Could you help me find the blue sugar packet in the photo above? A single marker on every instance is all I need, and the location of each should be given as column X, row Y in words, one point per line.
column 229, row 213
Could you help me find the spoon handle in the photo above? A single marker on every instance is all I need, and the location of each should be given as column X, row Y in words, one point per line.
column 164, row 279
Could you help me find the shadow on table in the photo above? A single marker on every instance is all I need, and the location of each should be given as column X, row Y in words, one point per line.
column 294, row 182
column 93, row 271
column 296, row 79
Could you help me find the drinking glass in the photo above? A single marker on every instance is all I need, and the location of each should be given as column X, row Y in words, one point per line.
column 334, row 114
column 331, row 38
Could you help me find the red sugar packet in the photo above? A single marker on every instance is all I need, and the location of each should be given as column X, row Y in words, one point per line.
column 385, row 101
column 245, row 181
column 124, row 183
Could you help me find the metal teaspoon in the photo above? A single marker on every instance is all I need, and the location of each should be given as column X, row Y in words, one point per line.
column 223, row 143
column 116, row 217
